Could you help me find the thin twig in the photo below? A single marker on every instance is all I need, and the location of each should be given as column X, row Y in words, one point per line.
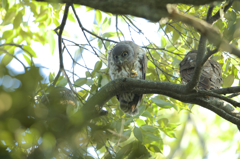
column 5, row 51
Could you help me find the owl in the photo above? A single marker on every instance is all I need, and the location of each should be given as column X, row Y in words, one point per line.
column 211, row 75
column 126, row 59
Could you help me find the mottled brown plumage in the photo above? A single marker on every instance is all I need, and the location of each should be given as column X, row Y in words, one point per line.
column 126, row 59
column 211, row 75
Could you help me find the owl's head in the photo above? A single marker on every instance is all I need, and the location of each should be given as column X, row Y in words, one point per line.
column 122, row 54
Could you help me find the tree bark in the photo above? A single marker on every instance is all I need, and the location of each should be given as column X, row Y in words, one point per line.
column 152, row 10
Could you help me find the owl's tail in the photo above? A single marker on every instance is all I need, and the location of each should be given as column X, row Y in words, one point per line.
column 131, row 107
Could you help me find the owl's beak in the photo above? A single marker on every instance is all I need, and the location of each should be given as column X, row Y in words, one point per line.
column 120, row 61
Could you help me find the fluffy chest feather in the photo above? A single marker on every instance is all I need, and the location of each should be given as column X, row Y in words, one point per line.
column 126, row 70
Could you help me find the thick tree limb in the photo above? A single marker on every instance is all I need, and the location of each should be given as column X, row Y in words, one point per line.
column 121, row 85
column 152, row 10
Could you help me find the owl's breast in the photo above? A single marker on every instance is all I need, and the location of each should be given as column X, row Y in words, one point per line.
column 125, row 71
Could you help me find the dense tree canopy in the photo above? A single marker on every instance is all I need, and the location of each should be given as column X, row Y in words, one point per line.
column 57, row 100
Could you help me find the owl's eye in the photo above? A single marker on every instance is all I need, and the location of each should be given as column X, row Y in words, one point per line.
column 115, row 57
column 125, row 53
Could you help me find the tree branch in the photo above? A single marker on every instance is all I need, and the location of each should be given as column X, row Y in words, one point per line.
column 61, row 27
column 123, row 85
column 152, row 10
column 217, row 15
column 213, row 35
column 200, row 54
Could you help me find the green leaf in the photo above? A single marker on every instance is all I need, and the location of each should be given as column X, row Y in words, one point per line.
column 148, row 128
column 27, row 59
column 98, row 66
column 236, row 5
column 95, row 29
column 29, row 51
column 104, row 81
column 153, row 148
column 227, row 82
column 51, row 41
column 110, row 34
column 89, row 82
column 146, row 114
column 5, row 5
column 42, row 16
column 176, row 61
column 88, row 9
column 62, row 82
column 100, row 44
column 71, row 18
column 51, row 77
column 175, row 36
column 6, row 59
column 79, row 82
column 173, row 126
column 87, row 73
column 127, row 133
column 65, row 33
column 162, row 103
column 98, row 17
column 18, row 20
column 124, row 151
column 163, row 122
column 168, row 29
column 106, row 24
column 151, row 137
column 170, row 133
column 7, row 34
column 140, row 122
column 137, row 133
column 9, row 17
column 163, row 41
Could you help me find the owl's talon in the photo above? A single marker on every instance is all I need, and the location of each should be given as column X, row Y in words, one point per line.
column 133, row 73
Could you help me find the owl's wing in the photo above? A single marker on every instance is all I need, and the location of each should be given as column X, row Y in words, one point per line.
column 187, row 67
column 144, row 64
column 216, row 78
column 109, row 53
column 211, row 75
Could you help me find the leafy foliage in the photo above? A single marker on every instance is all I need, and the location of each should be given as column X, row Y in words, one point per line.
column 30, row 128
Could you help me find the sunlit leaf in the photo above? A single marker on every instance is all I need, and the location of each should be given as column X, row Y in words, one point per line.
column 30, row 51
column 106, row 24
column 18, row 20
column 176, row 35
column 140, row 122
column 98, row 16
column 163, row 41
column 51, row 41
column 27, row 59
column 153, row 148
column 9, row 17
column 227, row 82
column 71, row 18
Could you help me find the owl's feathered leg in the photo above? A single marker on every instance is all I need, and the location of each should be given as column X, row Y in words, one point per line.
column 133, row 73
column 130, row 107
